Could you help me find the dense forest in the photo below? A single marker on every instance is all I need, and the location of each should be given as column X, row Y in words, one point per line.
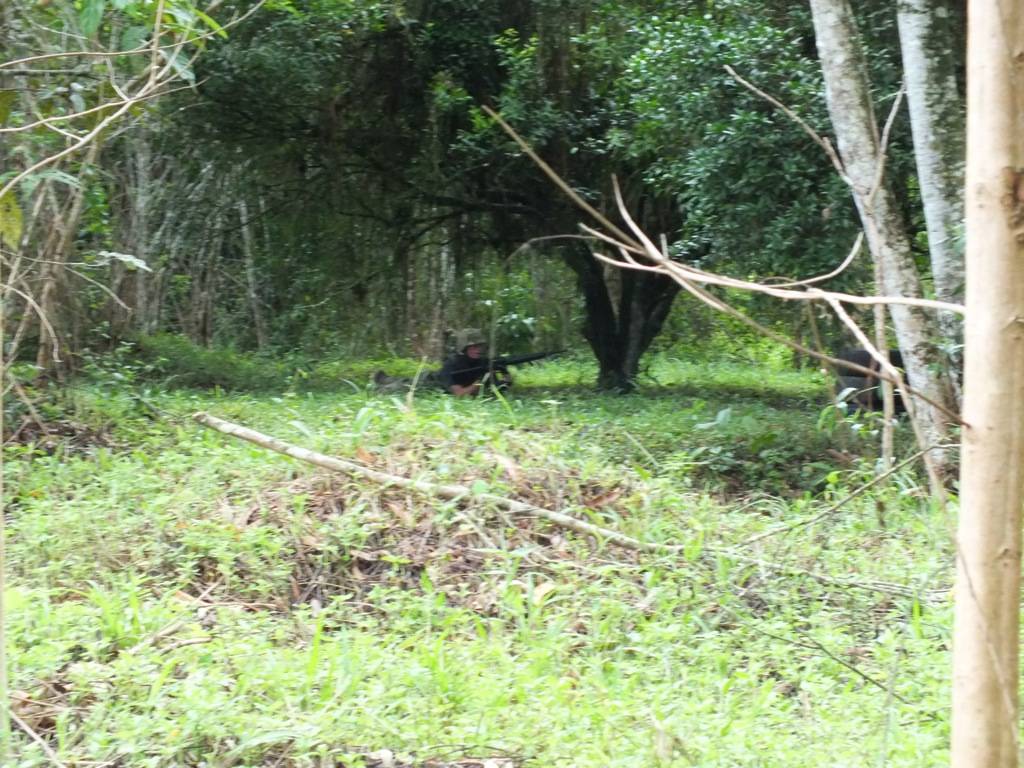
column 715, row 526
column 326, row 167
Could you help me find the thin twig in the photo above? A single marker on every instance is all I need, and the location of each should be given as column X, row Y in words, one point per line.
column 43, row 319
column 184, row 643
column 720, row 305
column 812, row 643
column 839, row 504
column 48, row 122
column 667, row 266
column 824, row 143
column 142, row 49
column 23, row 396
column 47, row 749
column 858, row 243
column 558, row 180
column 174, row 626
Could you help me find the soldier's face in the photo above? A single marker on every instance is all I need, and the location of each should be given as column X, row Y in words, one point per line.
column 475, row 351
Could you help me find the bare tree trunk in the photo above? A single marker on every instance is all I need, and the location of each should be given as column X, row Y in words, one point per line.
column 202, row 271
column 208, row 294
column 986, row 626
column 251, row 284
column 433, row 344
column 888, row 396
column 447, row 267
column 930, row 59
column 853, row 119
column 55, row 300
column 140, row 231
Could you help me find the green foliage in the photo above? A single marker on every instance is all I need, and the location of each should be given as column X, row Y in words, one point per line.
column 10, row 220
column 174, row 361
column 377, row 190
column 175, row 358
column 361, row 180
column 753, row 185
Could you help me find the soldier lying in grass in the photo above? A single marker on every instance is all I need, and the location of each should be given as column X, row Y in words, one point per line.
column 468, row 372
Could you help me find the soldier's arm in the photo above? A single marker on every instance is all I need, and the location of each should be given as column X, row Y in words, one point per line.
column 448, row 381
column 464, row 391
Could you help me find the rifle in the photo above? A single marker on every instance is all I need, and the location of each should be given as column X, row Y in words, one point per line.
column 500, row 364
column 530, row 357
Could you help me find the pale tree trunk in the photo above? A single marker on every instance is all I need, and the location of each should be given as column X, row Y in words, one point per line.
column 930, row 57
column 432, row 344
column 447, row 287
column 198, row 318
column 130, row 286
column 849, row 104
column 54, row 297
column 888, row 395
column 251, row 283
column 986, row 625
column 208, row 294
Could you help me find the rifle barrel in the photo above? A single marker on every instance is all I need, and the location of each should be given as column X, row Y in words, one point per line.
column 527, row 358
column 490, row 364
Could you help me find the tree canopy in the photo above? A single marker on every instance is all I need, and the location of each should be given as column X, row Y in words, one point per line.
column 329, row 167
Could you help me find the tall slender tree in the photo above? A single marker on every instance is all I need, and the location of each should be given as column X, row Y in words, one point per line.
column 985, row 732
column 848, row 95
column 930, row 57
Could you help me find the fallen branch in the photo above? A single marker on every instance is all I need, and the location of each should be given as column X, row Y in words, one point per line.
column 455, row 492
column 448, row 491
column 30, row 732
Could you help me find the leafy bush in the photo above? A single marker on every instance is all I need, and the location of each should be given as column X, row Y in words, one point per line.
column 179, row 361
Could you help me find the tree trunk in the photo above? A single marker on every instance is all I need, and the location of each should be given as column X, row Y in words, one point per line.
column 849, row 104
column 251, row 283
column 930, row 59
column 621, row 323
column 986, row 625
column 56, row 301
column 134, row 212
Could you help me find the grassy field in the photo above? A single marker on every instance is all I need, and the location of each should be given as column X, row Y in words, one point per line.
column 177, row 597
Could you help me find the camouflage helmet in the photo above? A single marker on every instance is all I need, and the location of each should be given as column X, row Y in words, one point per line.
column 467, row 337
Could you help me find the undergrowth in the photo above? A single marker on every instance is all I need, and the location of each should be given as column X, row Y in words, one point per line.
column 178, row 597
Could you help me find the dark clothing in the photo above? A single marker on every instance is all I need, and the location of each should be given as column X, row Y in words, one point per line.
column 464, row 370
column 865, row 394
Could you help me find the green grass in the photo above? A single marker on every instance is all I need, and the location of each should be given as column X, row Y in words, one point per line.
column 338, row 618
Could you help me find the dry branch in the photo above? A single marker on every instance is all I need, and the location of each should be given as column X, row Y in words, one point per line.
column 455, row 492
column 448, row 491
column 928, row 423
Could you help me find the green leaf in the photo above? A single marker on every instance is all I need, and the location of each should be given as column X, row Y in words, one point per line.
column 61, row 177
column 211, row 23
column 183, row 16
column 10, row 220
column 180, row 65
column 133, row 37
column 91, row 16
column 6, row 103
column 105, row 257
